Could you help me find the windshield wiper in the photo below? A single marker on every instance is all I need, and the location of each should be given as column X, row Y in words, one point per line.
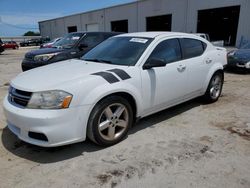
column 99, row 60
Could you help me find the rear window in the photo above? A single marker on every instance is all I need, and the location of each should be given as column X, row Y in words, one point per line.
column 192, row 48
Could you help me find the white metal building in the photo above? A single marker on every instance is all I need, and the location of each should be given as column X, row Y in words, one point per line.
column 222, row 19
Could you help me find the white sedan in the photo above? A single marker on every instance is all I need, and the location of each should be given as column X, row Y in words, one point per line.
column 126, row 77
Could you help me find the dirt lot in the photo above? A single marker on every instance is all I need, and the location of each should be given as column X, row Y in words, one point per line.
column 191, row 145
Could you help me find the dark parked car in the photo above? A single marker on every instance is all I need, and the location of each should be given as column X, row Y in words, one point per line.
column 34, row 42
column 10, row 45
column 1, row 46
column 239, row 59
column 73, row 45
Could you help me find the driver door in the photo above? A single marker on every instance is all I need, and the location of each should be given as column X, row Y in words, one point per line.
column 164, row 86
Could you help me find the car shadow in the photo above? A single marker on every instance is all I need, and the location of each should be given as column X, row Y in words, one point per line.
column 56, row 154
column 42, row 154
column 237, row 71
column 150, row 121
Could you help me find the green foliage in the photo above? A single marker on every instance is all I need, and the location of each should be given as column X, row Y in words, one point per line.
column 31, row 33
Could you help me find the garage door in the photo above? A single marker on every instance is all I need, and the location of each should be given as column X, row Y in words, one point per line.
column 72, row 29
column 119, row 26
column 220, row 23
column 159, row 23
column 92, row 27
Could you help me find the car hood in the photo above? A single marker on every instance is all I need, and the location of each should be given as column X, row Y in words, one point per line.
column 243, row 54
column 43, row 51
column 54, row 75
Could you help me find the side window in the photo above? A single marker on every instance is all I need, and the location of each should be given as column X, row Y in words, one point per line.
column 92, row 40
column 168, row 50
column 192, row 48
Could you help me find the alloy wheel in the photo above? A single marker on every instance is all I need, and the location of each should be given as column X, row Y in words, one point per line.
column 113, row 121
column 216, row 86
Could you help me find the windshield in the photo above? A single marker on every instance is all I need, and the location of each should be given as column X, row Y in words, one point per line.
column 118, row 51
column 246, row 46
column 68, row 41
column 54, row 40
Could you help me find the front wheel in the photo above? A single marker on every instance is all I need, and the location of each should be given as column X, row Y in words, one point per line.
column 214, row 88
column 110, row 121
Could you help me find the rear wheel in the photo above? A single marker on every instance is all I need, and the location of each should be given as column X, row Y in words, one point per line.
column 110, row 121
column 214, row 88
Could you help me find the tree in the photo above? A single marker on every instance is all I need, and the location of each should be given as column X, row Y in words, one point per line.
column 31, row 33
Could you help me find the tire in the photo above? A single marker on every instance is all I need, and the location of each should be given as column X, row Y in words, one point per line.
column 110, row 121
column 214, row 89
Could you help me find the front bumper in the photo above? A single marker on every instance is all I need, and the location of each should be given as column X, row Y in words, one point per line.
column 61, row 127
column 238, row 64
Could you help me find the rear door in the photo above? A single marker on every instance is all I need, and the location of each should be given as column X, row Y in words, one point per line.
column 197, row 64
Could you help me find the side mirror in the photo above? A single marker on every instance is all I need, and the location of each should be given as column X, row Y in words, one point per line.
column 82, row 46
column 151, row 63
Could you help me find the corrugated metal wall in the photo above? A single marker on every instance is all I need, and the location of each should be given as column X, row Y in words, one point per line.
column 184, row 16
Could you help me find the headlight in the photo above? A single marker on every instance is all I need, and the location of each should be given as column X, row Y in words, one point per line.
column 50, row 100
column 248, row 65
column 44, row 57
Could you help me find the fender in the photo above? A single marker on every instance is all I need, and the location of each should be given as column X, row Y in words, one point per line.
column 104, row 90
column 216, row 66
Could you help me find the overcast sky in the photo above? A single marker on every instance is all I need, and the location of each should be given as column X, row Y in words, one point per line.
column 19, row 16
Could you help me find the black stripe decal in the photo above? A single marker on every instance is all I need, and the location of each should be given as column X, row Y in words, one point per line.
column 121, row 73
column 107, row 76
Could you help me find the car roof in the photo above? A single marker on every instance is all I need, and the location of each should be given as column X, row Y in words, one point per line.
column 156, row 34
column 102, row 32
column 162, row 35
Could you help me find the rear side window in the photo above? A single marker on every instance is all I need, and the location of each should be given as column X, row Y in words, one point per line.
column 168, row 50
column 192, row 48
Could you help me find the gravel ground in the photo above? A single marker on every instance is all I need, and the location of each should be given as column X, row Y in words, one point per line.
column 190, row 145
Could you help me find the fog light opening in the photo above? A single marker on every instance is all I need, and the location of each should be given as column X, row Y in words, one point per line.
column 38, row 136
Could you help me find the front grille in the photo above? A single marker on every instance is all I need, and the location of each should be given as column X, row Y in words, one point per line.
column 19, row 97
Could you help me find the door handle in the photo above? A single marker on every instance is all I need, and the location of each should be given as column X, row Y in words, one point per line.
column 208, row 61
column 181, row 68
